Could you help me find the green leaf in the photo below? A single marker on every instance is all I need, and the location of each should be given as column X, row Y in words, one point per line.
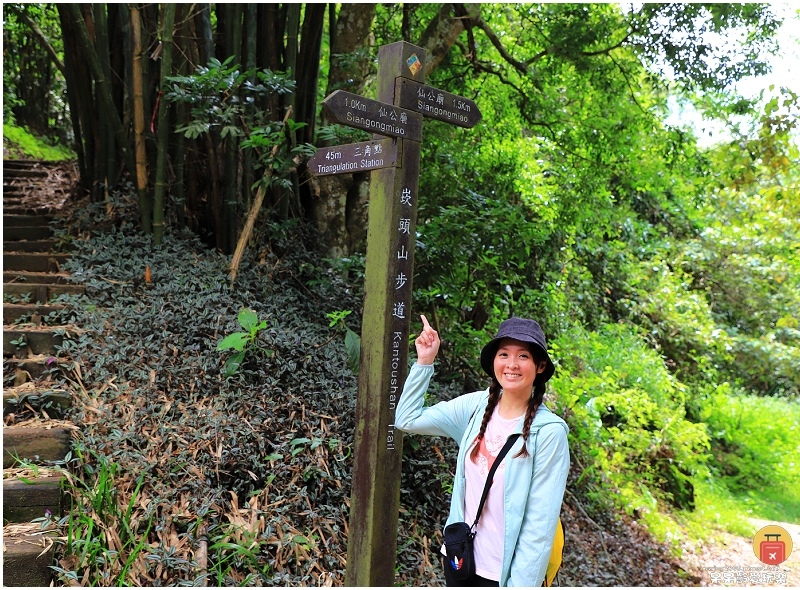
column 247, row 318
column 352, row 343
column 237, row 341
column 232, row 364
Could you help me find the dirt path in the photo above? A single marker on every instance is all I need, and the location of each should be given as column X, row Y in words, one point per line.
column 729, row 560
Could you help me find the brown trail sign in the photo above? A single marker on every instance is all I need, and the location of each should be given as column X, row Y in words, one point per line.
column 437, row 104
column 391, row 234
column 372, row 115
column 354, row 157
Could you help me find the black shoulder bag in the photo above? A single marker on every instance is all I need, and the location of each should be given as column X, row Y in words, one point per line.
column 458, row 537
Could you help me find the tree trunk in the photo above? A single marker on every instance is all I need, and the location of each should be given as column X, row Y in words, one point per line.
column 107, row 108
column 105, row 158
column 145, row 208
column 290, row 100
column 182, row 44
column 206, row 42
column 72, row 58
column 353, row 27
column 163, row 130
column 442, row 32
column 308, row 71
column 251, row 46
column 337, row 205
column 232, row 26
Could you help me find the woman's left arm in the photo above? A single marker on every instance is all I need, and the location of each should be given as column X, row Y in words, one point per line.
column 550, row 470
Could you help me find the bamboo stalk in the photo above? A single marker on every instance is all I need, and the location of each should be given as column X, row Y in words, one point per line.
column 163, row 127
column 252, row 215
column 103, row 85
column 138, row 121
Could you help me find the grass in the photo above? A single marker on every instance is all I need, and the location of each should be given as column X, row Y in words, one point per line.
column 763, row 429
column 20, row 142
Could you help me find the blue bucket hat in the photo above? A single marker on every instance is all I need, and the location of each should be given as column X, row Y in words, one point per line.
column 525, row 331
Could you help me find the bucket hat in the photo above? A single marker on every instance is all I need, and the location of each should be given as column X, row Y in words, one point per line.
column 524, row 331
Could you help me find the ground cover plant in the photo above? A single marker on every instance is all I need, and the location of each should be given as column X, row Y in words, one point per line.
column 186, row 476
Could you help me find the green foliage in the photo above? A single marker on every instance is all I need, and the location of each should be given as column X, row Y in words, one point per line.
column 223, row 100
column 104, row 535
column 220, row 96
column 754, row 440
column 631, row 416
column 243, row 342
column 352, row 341
column 23, row 144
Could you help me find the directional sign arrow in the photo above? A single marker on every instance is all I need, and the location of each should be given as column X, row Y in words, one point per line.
column 354, row 157
column 437, row 104
column 373, row 116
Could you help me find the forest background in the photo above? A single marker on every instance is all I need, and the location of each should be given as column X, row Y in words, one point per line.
column 664, row 270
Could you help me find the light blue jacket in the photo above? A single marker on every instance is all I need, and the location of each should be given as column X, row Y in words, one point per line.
column 534, row 485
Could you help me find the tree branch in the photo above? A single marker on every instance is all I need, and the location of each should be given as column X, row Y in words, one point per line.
column 23, row 16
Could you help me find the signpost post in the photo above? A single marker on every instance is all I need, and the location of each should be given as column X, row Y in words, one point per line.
column 402, row 101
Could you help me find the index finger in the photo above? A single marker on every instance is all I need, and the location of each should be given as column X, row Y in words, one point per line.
column 425, row 324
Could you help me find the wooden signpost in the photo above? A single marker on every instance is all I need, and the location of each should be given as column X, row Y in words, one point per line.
column 402, row 101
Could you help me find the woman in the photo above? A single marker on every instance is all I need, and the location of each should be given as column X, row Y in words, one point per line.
column 517, row 525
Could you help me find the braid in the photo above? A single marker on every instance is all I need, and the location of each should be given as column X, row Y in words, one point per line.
column 533, row 404
column 494, row 397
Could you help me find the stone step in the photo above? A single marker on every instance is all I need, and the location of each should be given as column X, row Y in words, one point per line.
column 37, row 278
column 24, row 340
column 34, row 262
column 35, row 368
column 25, row 220
column 35, row 444
column 33, row 246
column 29, row 498
column 29, row 395
column 27, row 559
column 32, row 232
column 14, row 172
column 20, row 206
column 34, row 313
column 33, row 293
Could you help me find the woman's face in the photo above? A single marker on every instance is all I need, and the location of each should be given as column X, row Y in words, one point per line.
column 515, row 366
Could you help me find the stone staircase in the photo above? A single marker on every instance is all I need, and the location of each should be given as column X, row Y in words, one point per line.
column 36, row 439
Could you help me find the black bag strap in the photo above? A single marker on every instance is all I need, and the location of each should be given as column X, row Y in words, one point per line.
column 500, row 456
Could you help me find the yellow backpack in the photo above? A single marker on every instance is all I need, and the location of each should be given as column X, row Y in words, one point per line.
column 555, row 556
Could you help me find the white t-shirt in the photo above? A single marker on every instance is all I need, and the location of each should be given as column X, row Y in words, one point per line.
column 489, row 535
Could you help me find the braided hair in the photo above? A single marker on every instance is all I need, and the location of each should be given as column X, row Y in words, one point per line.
column 533, row 404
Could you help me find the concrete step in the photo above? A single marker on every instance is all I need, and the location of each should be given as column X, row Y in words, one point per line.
column 33, row 293
column 31, row 497
column 37, row 278
column 34, row 246
column 27, row 558
column 55, row 400
column 33, row 313
column 35, row 368
column 34, row 262
column 24, row 340
column 34, row 232
column 26, row 220
column 35, row 444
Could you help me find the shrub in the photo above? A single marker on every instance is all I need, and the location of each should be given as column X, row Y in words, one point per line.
column 630, row 414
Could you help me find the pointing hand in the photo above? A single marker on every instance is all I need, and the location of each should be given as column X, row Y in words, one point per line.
column 427, row 343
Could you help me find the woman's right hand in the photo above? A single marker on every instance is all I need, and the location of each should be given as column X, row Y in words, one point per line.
column 427, row 343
